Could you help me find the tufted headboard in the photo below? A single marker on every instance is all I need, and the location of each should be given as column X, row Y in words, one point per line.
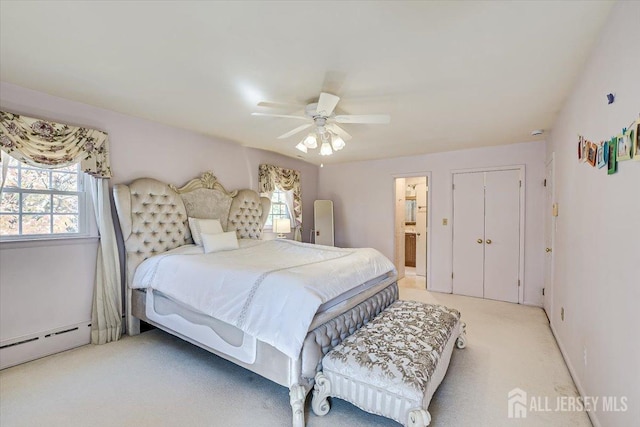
column 248, row 213
column 153, row 215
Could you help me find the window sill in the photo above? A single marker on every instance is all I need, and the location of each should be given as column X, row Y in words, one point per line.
column 47, row 241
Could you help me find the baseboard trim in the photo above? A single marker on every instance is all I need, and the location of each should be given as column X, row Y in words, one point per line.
column 592, row 415
column 23, row 349
column 532, row 304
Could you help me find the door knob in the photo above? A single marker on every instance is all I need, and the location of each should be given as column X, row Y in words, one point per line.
column 417, row 234
column 479, row 240
column 488, row 241
column 548, row 250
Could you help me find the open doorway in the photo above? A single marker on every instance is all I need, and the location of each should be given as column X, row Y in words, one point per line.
column 412, row 230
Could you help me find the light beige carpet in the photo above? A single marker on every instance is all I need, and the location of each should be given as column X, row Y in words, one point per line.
column 155, row 379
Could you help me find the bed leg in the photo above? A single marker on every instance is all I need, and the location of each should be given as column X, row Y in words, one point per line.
column 419, row 418
column 461, row 342
column 297, row 395
column 321, row 390
column 132, row 323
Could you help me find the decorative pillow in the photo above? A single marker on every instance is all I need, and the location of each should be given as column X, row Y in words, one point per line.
column 219, row 242
column 200, row 226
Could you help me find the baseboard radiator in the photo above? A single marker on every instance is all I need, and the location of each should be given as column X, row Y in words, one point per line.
column 34, row 346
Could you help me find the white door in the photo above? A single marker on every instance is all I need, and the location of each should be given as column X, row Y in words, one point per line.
column 421, row 227
column 486, row 234
column 468, row 234
column 502, row 235
column 399, row 226
column 549, row 228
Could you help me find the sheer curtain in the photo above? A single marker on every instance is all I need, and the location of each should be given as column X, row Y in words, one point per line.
column 106, row 312
column 288, row 196
column 51, row 145
column 272, row 177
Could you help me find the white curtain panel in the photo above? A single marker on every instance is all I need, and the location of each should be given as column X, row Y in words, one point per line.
column 4, row 160
column 106, row 313
column 297, row 233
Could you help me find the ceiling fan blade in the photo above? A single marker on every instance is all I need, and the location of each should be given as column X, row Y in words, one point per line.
column 364, row 118
column 279, row 105
column 326, row 104
column 339, row 131
column 294, row 131
column 286, row 116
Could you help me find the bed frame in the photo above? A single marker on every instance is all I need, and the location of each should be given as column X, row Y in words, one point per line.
column 153, row 217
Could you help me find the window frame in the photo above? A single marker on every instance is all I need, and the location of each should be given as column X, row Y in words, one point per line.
column 83, row 212
column 268, row 225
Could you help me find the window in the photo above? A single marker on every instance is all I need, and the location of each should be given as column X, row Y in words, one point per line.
column 38, row 202
column 279, row 207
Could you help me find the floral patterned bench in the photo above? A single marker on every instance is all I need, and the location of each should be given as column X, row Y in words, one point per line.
column 393, row 365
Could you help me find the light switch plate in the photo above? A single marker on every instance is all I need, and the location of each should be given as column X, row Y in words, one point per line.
column 554, row 209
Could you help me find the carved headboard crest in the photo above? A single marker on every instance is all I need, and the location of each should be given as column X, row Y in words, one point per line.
column 208, row 181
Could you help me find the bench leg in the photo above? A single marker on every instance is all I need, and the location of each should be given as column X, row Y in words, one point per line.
column 321, row 390
column 461, row 342
column 297, row 395
column 418, row 418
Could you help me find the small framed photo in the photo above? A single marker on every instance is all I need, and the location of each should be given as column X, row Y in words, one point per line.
column 583, row 145
column 624, row 146
column 592, row 153
column 635, row 140
column 580, row 140
column 603, row 154
column 611, row 161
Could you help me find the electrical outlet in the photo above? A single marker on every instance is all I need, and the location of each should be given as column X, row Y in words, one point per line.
column 562, row 314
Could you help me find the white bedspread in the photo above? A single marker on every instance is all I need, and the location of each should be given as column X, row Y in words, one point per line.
column 269, row 289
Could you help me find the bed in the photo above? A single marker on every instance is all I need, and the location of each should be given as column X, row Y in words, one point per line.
column 275, row 307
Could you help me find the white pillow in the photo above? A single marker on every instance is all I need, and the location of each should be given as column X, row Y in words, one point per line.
column 199, row 226
column 219, row 242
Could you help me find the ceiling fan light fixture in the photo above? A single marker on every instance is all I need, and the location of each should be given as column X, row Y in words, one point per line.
column 321, row 117
column 337, row 143
column 301, row 147
column 310, row 141
column 325, row 149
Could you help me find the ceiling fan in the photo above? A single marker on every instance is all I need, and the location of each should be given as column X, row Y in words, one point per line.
column 321, row 115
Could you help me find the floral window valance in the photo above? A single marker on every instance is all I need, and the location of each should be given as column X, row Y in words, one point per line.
column 272, row 177
column 53, row 145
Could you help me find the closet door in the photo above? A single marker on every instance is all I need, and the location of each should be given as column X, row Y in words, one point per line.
column 468, row 234
column 502, row 235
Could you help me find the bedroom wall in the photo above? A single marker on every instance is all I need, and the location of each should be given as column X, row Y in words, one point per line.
column 34, row 275
column 362, row 193
column 597, row 251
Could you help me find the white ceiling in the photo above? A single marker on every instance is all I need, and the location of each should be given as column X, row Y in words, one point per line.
column 452, row 75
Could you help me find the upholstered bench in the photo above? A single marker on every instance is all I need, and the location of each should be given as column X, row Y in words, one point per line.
column 393, row 365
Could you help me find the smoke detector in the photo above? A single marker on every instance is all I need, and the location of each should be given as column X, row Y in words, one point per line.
column 537, row 132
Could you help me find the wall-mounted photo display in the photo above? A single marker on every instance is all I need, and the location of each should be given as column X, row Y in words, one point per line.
column 603, row 154
column 581, row 147
column 592, row 153
column 624, row 146
column 613, row 151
